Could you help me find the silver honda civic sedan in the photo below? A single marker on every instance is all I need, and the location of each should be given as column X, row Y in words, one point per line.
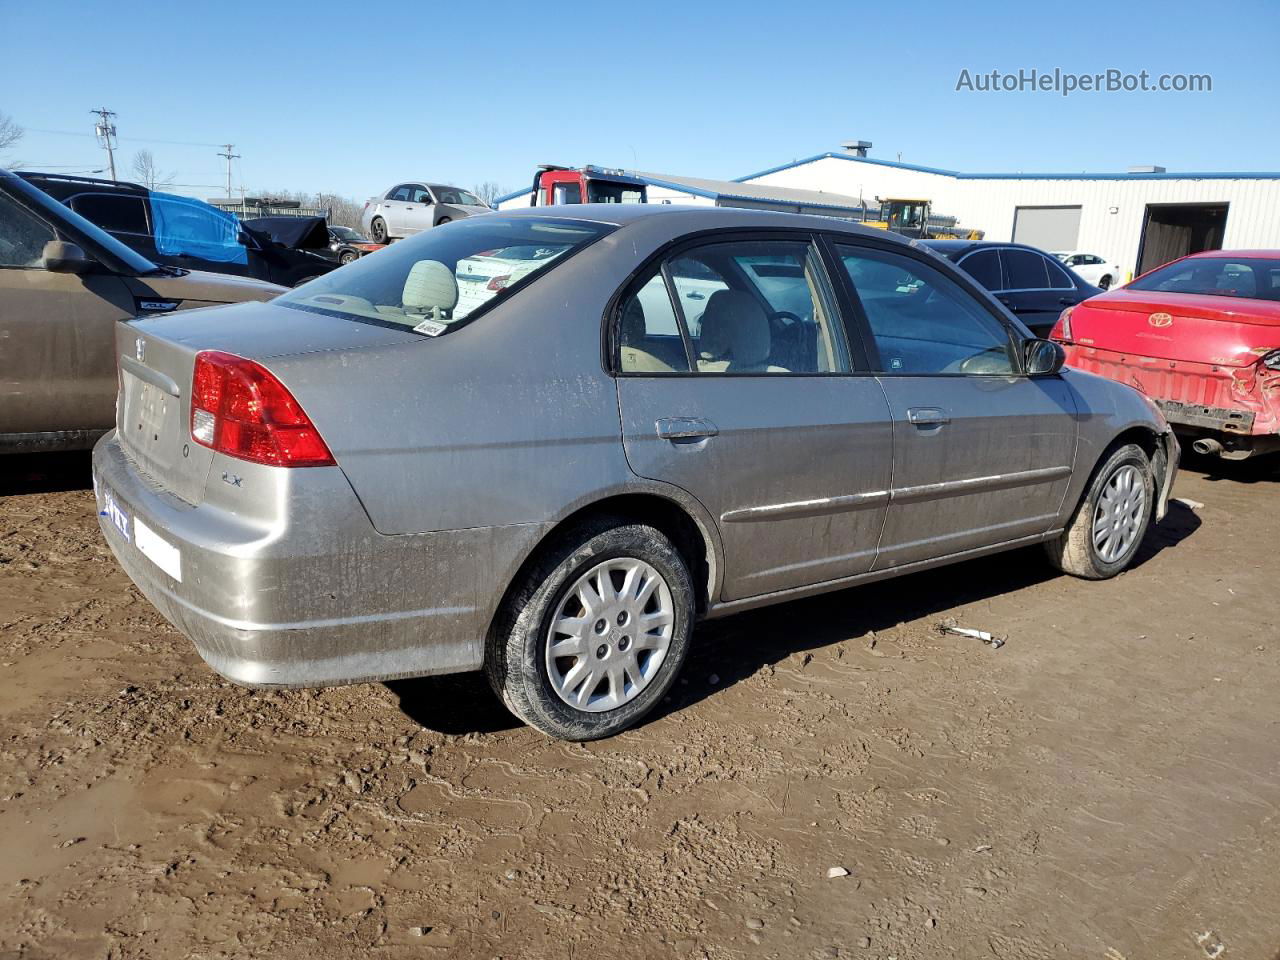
column 545, row 443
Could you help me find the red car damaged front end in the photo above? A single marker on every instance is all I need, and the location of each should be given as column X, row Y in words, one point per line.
column 1210, row 360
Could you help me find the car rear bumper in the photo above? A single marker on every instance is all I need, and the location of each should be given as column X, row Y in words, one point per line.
column 322, row 602
column 1196, row 398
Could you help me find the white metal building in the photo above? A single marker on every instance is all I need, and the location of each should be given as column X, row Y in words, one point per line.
column 1138, row 219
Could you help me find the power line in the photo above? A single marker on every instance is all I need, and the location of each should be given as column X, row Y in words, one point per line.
column 78, row 133
column 105, row 131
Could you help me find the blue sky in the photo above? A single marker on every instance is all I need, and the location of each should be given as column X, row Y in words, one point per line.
column 351, row 97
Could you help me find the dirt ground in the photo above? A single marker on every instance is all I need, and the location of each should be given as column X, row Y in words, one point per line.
column 1105, row 785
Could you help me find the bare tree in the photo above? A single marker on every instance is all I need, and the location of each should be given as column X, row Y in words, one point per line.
column 145, row 169
column 10, row 132
column 489, row 191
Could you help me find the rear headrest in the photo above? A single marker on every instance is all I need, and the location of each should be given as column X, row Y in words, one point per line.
column 430, row 288
column 735, row 328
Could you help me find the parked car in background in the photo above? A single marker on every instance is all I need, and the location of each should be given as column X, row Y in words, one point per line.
column 1091, row 268
column 181, row 231
column 520, row 483
column 347, row 244
column 63, row 285
column 1031, row 283
column 409, row 208
column 1201, row 337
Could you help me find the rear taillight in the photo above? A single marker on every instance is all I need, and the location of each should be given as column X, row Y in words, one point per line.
column 1062, row 329
column 499, row 283
column 239, row 408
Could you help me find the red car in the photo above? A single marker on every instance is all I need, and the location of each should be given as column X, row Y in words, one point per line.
column 1201, row 337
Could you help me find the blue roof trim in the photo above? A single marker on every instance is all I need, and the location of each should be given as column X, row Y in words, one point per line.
column 694, row 191
column 1192, row 175
column 511, row 196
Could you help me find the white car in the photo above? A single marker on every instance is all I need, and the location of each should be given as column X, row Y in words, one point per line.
column 1092, row 268
column 409, row 208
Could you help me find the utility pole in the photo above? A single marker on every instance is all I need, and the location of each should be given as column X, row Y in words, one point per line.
column 106, row 133
column 226, row 152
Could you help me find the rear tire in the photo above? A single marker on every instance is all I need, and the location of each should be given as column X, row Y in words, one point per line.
column 348, row 257
column 1105, row 283
column 617, row 601
column 443, row 220
column 1108, row 526
column 378, row 230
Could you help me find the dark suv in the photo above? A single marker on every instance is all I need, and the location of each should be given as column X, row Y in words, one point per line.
column 1033, row 284
column 181, row 231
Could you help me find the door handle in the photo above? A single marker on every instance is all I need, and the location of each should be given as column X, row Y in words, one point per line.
column 694, row 295
column 1066, row 301
column 927, row 416
column 685, row 428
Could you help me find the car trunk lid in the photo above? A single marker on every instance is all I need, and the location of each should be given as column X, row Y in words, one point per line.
column 156, row 358
column 1222, row 331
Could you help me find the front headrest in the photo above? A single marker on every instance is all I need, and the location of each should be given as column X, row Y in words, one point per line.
column 735, row 328
column 632, row 329
column 430, row 284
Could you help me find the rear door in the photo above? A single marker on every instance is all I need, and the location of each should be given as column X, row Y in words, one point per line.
column 1036, row 289
column 419, row 211
column 783, row 439
column 57, row 331
column 982, row 454
column 393, row 209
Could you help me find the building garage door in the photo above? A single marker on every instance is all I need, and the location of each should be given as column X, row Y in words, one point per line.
column 1049, row 228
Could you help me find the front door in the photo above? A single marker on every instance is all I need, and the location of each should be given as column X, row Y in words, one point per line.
column 982, row 453
column 749, row 402
column 57, row 334
column 393, row 209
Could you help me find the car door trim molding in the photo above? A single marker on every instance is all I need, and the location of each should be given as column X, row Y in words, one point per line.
column 959, row 488
column 874, row 498
column 807, row 508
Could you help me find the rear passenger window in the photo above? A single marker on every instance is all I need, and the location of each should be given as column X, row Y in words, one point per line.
column 922, row 321
column 113, row 213
column 399, row 193
column 984, row 267
column 1024, row 270
column 649, row 338
column 1058, row 278
column 746, row 307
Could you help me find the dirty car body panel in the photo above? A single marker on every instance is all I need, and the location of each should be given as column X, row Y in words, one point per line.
column 58, row 328
column 462, row 445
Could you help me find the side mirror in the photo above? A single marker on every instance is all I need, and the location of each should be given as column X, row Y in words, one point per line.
column 62, row 257
column 1042, row 358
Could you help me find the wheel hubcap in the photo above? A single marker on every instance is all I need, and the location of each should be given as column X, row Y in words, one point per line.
column 610, row 635
column 1117, row 521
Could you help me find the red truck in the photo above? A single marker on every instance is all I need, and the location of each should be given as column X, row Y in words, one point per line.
column 1201, row 337
column 554, row 185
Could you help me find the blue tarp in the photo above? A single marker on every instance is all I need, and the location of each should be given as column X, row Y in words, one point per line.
column 190, row 227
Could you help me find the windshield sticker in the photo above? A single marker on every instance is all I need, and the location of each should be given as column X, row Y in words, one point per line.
column 432, row 328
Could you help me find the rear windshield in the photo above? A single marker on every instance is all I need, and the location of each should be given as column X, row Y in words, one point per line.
column 1250, row 277
column 437, row 280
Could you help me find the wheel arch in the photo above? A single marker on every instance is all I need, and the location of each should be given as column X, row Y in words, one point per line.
column 685, row 524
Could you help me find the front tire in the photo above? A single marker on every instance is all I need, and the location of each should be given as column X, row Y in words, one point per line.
column 378, row 230
column 593, row 636
column 348, row 257
column 1108, row 526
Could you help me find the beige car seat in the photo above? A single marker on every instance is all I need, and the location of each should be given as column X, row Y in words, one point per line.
column 632, row 330
column 430, row 290
column 735, row 335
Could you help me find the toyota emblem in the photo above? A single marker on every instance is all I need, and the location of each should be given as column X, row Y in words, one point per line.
column 1160, row 320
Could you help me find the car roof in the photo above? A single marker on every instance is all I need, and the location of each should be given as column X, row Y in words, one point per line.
column 68, row 185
